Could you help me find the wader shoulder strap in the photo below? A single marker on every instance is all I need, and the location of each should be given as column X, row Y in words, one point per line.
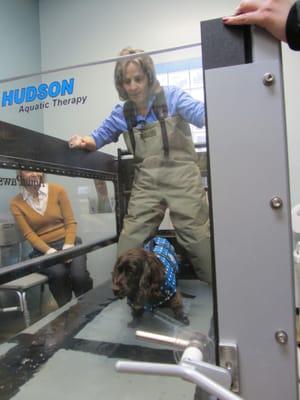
column 129, row 111
column 160, row 109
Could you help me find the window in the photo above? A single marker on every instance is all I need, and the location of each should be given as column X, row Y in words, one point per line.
column 186, row 74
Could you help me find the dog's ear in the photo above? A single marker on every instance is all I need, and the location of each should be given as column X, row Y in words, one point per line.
column 119, row 265
column 145, row 280
column 114, row 272
column 153, row 274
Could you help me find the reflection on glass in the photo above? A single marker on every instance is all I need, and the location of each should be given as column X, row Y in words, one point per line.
column 165, row 187
column 163, row 79
column 15, row 247
column 82, row 195
column 196, row 78
column 44, row 216
column 103, row 202
column 154, row 122
column 11, row 240
column 188, row 76
column 180, row 79
column 197, row 94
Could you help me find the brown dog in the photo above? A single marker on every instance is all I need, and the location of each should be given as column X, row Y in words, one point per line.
column 139, row 276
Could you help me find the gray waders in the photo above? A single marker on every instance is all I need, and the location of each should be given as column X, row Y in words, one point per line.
column 169, row 175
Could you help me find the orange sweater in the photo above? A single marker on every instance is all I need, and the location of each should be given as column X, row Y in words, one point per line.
column 57, row 222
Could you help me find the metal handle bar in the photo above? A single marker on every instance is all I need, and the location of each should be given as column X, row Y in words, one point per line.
column 185, row 372
column 188, row 368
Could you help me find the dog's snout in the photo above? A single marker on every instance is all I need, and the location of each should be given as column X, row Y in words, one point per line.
column 118, row 289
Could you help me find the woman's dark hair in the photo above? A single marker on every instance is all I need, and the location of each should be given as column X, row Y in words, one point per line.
column 143, row 60
column 23, row 182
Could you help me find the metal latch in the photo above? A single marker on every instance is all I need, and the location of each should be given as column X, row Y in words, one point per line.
column 228, row 357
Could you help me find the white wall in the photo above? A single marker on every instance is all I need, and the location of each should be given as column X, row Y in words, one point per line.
column 20, row 54
column 78, row 31
column 20, row 37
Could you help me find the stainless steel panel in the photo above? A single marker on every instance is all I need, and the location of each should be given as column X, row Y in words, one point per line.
column 252, row 240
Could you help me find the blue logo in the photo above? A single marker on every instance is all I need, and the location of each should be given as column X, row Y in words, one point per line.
column 40, row 92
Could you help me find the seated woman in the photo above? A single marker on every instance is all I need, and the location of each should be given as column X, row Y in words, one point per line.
column 44, row 215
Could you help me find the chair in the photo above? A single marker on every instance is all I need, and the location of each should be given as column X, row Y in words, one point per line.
column 10, row 236
column 20, row 287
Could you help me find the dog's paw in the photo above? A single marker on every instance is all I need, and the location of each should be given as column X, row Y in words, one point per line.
column 134, row 323
column 183, row 318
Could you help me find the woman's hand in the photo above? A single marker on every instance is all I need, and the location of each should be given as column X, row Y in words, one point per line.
column 269, row 14
column 82, row 142
column 75, row 142
column 65, row 247
column 51, row 251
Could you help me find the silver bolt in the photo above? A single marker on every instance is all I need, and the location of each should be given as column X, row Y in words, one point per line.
column 268, row 79
column 228, row 366
column 281, row 337
column 276, row 202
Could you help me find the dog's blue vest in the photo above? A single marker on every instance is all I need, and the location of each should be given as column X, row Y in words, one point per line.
column 163, row 249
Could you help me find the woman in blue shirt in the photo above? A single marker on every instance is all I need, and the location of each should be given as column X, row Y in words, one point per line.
column 155, row 123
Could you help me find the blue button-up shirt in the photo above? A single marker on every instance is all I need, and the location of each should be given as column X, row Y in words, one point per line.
column 178, row 101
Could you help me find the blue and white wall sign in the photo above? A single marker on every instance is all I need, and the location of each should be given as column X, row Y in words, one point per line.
column 45, row 95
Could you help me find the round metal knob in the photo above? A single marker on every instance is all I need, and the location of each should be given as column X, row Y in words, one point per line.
column 281, row 337
column 276, row 202
column 268, row 79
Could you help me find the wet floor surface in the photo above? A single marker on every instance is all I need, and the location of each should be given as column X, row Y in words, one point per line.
column 92, row 332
